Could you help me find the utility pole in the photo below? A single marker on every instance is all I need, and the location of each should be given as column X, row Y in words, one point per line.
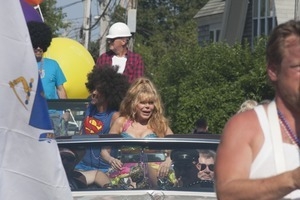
column 86, row 23
column 297, row 10
column 131, row 20
column 104, row 22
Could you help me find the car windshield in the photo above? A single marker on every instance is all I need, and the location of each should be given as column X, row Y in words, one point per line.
column 175, row 163
column 191, row 164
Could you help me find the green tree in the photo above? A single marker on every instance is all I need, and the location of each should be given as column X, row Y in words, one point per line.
column 94, row 49
column 53, row 16
column 194, row 81
column 210, row 82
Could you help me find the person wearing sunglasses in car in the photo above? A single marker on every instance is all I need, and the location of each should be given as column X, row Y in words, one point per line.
column 206, row 163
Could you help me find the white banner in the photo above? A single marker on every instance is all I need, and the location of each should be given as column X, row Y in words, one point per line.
column 30, row 165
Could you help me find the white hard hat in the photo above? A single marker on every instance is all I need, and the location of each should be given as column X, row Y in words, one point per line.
column 118, row 29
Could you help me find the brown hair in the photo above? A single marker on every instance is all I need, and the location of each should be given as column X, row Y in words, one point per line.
column 275, row 48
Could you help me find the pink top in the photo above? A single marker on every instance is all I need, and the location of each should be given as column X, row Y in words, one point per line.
column 126, row 125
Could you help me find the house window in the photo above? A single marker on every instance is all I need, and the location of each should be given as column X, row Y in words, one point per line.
column 263, row 19
column 206, row 34
column 214, row 35
column 203, row 34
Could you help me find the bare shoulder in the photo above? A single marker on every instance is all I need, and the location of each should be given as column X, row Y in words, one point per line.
column 115, row 116
column 240, row 142
column 243, row 126
column 120, row 121
column 242, row 133
column 169, row 131
column 117, row 125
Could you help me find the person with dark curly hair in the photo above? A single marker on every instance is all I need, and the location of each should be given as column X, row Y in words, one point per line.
column 51, row 75
column 107, row 88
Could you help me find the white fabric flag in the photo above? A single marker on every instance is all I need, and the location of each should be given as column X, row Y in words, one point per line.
column 30, row 165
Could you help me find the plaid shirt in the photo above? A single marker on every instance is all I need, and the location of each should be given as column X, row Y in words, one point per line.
column 134, row 67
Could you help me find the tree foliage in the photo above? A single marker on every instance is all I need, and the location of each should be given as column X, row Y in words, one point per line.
column 53, row 16
column 211, row 81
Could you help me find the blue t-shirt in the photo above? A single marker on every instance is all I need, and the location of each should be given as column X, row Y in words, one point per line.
column 95, row 123
column 52, row 76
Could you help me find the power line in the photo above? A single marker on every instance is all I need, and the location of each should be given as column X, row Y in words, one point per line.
column 98, row 20
column 71, row 4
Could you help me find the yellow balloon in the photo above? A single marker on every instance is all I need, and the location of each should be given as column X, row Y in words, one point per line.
column 75, row 61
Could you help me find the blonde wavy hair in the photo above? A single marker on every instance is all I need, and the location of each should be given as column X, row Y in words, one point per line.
column 142, row 89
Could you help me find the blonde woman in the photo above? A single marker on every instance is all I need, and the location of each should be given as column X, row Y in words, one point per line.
column 141, row 116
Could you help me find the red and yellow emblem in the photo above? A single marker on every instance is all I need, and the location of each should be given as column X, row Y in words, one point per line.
column 92, row 125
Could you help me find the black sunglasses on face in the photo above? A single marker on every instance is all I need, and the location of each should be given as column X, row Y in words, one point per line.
column 202, row 166
column 36, row 50
column 109, row 41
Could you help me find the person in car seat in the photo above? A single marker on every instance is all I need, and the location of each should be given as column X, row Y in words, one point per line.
column 107, row 89
column 185, row 165
column 206, row 164
column 77, row 180
column 141, row 116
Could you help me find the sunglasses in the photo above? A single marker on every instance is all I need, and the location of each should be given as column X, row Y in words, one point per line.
column 202, row 166
column 110, row 41
column 36, row 50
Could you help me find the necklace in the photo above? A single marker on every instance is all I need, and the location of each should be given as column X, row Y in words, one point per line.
column 96, row 157
column 41, row 68
column 288, row 129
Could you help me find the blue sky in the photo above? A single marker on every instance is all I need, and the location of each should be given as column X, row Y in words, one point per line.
column 75, row 13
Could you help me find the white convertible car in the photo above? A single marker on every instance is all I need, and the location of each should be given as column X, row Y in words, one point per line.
column 190, row 175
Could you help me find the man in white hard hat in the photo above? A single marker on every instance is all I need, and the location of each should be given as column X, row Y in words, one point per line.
column 129, row 63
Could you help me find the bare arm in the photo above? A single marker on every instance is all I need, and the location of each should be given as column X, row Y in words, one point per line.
column 116, row 128
column 241, row 141
column 164, row 167
column 105, row 154
column 169, row 131
column 62, row 94
column 114, row 117
column 117, row 125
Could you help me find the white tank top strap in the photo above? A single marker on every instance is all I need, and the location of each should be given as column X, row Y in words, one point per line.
column 276, row 137
column 263, row 120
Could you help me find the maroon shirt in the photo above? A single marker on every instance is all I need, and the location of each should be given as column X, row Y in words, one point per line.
column 134, row 67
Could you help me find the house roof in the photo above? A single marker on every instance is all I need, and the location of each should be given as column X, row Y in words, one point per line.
column 212, row 7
